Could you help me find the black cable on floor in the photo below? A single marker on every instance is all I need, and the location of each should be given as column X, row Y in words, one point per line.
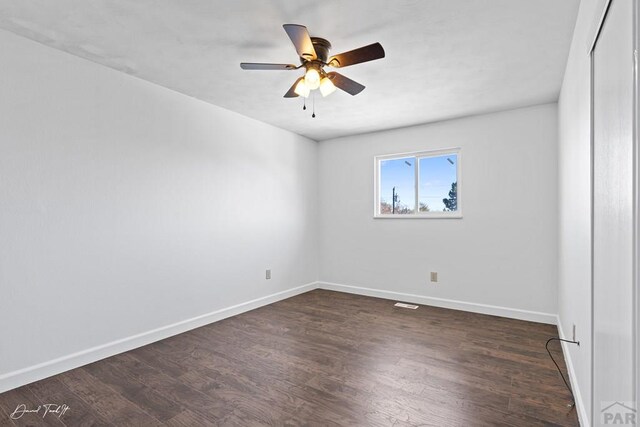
column 573, row 399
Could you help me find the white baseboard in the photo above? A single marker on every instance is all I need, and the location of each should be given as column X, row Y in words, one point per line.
column 30, row 374
column 513, row 313
column 583, row 417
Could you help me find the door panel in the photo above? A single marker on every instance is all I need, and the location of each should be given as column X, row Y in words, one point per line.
column 613, row 341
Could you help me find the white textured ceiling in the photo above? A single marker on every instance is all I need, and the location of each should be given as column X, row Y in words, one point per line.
column 444, row 58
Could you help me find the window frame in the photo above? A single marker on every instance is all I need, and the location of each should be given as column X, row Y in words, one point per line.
column 417, row 155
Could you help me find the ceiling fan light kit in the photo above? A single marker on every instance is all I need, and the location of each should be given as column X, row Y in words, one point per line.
column 314, row 56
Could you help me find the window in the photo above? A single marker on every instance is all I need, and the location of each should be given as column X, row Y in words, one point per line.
column 418, row 185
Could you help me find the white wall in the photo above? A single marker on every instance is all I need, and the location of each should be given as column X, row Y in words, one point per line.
column 126, row 207
column 574, row 203
column 502, row 253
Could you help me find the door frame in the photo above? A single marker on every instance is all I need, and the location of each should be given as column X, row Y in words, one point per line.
column 636, row 194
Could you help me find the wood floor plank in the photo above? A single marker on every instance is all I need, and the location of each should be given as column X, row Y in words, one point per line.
column 11, row 400
column 106, row 401
column 5, row 420
column 188, row 418
column 121, row 380
column 79, row 413
column 322, row 358
column 212, row 406
column 166, row 364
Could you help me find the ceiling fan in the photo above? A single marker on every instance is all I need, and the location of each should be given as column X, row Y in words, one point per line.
column 314, row 56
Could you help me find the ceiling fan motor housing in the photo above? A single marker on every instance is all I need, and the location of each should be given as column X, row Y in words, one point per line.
column 322, row 47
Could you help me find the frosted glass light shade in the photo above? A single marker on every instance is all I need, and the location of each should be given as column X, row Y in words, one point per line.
column 302, row 89
column 312, row 78
column 326, row 86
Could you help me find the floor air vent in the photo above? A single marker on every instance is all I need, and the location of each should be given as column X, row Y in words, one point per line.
column 403, row 305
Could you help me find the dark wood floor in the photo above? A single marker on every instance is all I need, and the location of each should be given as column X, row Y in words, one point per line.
column 322, row 358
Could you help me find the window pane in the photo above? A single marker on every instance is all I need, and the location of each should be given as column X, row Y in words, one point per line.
column 438, row 183
column 397, row 179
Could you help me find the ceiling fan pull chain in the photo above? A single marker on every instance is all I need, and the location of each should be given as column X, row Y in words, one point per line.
column 304, row 103
column 313, row 99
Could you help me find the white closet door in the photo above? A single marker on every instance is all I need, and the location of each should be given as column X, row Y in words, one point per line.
column 613, row 304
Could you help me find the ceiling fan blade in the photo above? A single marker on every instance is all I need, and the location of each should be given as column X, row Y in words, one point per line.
column 301, row 40
column 357, row 56
column 345, row 83
column 262, row 66
column 290, row 93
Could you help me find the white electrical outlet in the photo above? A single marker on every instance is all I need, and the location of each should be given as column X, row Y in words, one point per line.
column 434, row 276
column 268, row 274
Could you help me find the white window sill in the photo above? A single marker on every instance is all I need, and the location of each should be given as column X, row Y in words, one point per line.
column 420, row 216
